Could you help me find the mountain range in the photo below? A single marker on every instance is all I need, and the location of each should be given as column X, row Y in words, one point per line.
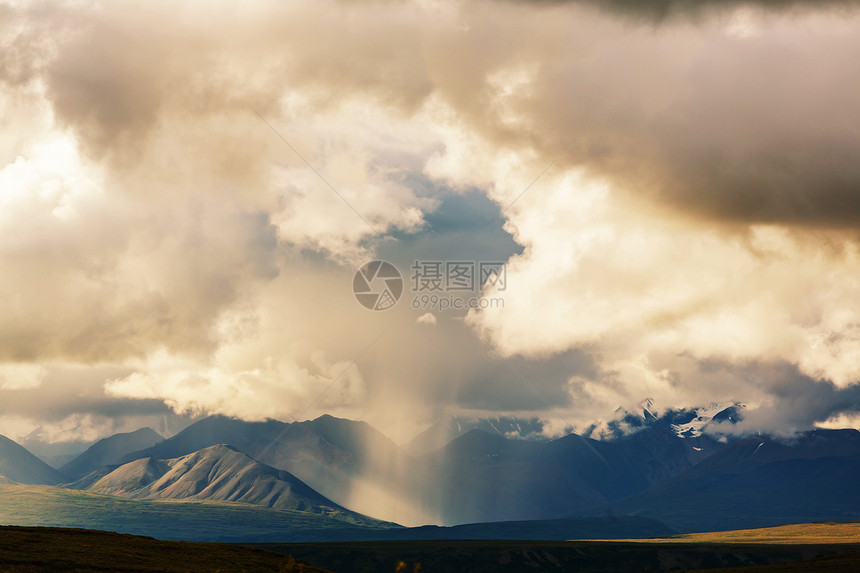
column 673, row 470
column 759, row 481
column 333, row 454
column 488, row 477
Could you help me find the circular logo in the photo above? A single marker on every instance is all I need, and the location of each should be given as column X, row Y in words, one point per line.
column 377, row 285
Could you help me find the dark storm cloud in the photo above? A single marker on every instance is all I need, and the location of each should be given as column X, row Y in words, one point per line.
column 658, row 10
column 795, row 402
column 115, row 75
column 777, row 138
column 801, row 401
column 74, row 391
column 71, row 404
column 755, row 130
column 763, row 129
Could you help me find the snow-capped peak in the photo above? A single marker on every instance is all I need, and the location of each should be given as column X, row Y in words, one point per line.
column 647, row 407
column 705, row 416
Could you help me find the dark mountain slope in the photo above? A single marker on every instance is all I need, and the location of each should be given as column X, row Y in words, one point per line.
column 209, row 432
column 488, row 477
column 109, row 451
column 756, row 482
column 19, row 465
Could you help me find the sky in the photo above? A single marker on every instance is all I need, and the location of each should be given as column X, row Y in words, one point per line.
column 187, row 190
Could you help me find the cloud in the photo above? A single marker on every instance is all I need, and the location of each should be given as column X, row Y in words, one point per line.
column 428, row 319
column 792, row 402
column 151, row 198
column 691, row 198
column 21, row 376
column 719, row 128
column 595, row 273
column 659, row 302
column 69, row 404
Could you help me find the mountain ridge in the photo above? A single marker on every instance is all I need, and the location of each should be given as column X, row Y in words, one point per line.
column 331, row 454
column 216, row 473
column 110, row 450
column 757, row 482
column 17, row 464
column 663, row 470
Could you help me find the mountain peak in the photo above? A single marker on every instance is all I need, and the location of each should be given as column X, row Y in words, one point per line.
column 218, row 449
column 647, row 407
column 110, row 451
column 725, row 412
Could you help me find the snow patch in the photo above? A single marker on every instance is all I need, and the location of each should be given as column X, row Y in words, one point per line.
column 704, row 416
